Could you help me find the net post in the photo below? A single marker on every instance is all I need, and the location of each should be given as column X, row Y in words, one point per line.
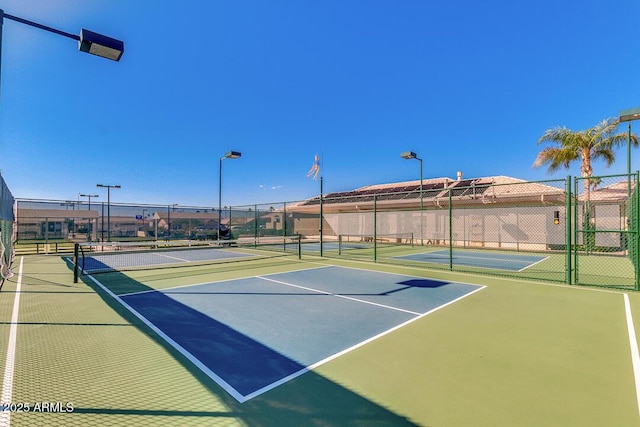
column 76, row 250
column 339, row 244
column 299, row 246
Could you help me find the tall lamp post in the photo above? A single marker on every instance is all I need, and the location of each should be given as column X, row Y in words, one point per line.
column 89, row 196
column 108, row 187
column 228, row 155
column 411, row 155
column 89, row 220
column 629, row 116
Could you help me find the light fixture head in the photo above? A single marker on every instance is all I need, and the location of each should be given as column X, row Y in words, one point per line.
column 232, row 155
column 408, row 155
column 100, row 45
column 630, row 114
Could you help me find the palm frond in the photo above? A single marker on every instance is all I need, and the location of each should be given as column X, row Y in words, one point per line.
column 597, row 142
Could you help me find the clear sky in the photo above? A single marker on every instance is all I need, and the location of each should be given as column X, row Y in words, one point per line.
column 468, row 85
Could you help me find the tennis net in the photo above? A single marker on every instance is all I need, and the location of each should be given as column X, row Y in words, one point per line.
column 93, row 258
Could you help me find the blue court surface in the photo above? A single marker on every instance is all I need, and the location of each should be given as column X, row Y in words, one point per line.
column 493, row 260
column 253, row 334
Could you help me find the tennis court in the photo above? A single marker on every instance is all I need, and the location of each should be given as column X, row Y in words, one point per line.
column 493, row 260
column 275, row 327
column 288, row 341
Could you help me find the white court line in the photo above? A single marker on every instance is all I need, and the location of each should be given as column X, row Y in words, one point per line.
column 170, row 257
column 633, row 343
column 340, row 296
column 531, row 265
column 7, row 383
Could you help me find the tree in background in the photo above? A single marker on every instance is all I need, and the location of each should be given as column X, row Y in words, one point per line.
column 586, row 146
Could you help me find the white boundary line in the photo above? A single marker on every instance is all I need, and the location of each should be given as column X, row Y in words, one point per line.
column 535, row 263
column 633, row 343
column 339, row 296
column 7, row 383
column 170, row 257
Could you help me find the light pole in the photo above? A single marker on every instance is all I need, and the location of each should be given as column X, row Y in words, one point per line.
column 228, row 155
column 108, row 187
column 89, row 196
column 411, row 155
column 628, row 116
column 89, row 208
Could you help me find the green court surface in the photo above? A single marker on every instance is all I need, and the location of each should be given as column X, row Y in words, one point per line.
column 516, row 353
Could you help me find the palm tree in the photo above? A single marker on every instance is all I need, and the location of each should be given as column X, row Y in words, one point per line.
column 588, row 145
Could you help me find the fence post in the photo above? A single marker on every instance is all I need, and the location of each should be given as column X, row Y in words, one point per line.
column 636, row 237
column 256, row 227
column 450, row 231
column 375, row 226
column 568, row 229
column 576, row 224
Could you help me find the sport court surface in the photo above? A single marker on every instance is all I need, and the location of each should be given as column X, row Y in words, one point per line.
column 489, row 351
column 274, row 327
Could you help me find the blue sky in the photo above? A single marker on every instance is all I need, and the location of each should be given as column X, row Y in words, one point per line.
column 469, row 85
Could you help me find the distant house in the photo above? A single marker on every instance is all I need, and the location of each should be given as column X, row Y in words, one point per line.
column 495, row 211
column 53, row 223
column 435, row 193
column 177, row 220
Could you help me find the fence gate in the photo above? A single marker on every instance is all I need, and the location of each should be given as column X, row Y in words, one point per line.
column 604, row 234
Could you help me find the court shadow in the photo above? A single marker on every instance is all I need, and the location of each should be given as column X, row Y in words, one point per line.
column 423, row 283
column 416, row 283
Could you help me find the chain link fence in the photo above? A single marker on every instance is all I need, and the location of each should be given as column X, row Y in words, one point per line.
column 573, row 231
